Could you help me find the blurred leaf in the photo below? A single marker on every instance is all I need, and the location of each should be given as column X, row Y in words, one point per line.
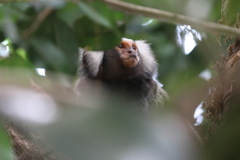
column 14, row 11
column 52, row 55
column 234, row 10
column 46, row 3
column 10, row 29
column 66, row 39
column 94, row 35
column 5, row 146
column 95, row 16
column 227, row 134
column 215, row 11
column 116, row 134
column 21, row 6
column 69, row 13
column 22, row 53
column 15, row 61
column 111, row 15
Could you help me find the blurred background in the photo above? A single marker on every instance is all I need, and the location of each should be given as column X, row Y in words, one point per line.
column 39, row 43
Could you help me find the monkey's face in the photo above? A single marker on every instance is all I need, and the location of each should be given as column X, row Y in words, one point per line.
column 128, row 51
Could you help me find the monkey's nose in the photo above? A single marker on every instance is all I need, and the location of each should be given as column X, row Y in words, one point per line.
column 130, row 51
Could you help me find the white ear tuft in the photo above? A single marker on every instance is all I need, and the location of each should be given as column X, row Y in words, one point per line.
column 93, row 60
column 147, row 56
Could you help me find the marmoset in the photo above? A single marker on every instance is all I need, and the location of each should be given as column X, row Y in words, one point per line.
column 129, row 71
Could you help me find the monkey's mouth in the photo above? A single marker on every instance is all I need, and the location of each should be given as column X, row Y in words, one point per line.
column 131, row 57
column 130, row 62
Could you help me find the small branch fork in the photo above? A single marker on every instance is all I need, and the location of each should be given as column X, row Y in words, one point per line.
column 172, row 18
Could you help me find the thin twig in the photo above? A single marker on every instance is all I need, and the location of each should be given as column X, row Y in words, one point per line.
column 172, row 18
column 37, row 22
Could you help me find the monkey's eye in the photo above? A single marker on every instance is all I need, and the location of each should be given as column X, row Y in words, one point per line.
column 133, row 47
column 120, row 46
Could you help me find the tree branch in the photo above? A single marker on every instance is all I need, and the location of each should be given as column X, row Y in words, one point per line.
column 37, row 22
column 172, row 18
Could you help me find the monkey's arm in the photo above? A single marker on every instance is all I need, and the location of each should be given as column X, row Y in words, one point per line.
column 159, row 94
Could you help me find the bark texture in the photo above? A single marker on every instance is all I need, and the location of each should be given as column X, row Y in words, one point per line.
column 224, row 95
column 27, row 145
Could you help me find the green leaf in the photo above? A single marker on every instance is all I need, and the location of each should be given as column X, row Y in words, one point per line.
column 5, row 146
column 111, row 15
column 52, row 55
column 66, row 39
column 14, row 11
column 69, row 13
column 95, row 36
column 53, row 4
column 16, row 61
column 95, row 16
column 19, row 6
column 232, row 11
column 22, row 53
column 10, row 29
